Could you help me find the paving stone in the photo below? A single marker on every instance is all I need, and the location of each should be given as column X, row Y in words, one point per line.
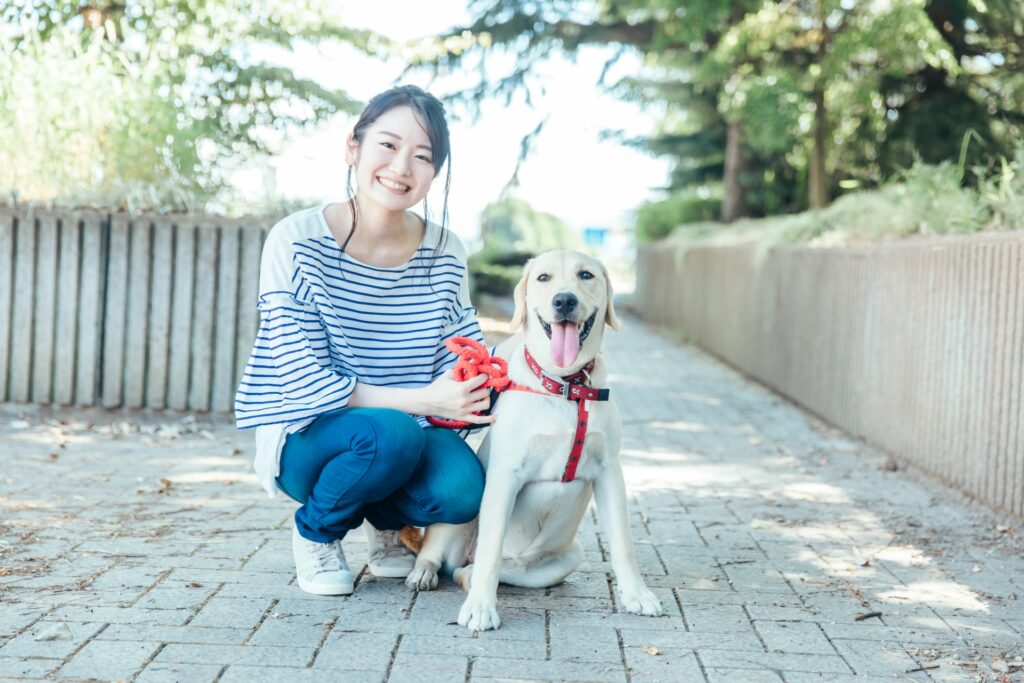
column 292, row 630
column 121, row 615
column 421, row 668
column 795, row 636
column 530, row 669
column 236, row 654
column 743, row 676
column 356, row 651
column 179, row 673
column 238, row 673
column 692, row 640
column 26, row 667
column 15, row 618
column 717, row 618
column 220, row 612
column 734, row 659
column 108, row 659
column 668, row 664
column 874, row 659
column 51, row 639
column 177, row 634
column 480, row 646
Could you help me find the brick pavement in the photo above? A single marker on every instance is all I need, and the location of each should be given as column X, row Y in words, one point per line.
column 141, row 548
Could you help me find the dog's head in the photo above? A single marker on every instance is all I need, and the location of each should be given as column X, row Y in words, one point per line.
column 564, row 301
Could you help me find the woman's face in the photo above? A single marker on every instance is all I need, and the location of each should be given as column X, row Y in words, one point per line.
column 394, row 164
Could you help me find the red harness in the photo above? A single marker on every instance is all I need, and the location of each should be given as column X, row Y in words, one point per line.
column 474, row 360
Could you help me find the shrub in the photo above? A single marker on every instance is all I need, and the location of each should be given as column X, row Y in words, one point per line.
column 655, row 220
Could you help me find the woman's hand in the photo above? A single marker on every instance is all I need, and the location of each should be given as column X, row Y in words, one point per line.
column 445, row 397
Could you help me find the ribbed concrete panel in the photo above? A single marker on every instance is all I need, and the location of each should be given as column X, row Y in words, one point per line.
column 916, row 346
column 126, row 311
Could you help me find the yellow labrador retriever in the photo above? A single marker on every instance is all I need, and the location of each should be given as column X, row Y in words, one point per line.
column 535, row 495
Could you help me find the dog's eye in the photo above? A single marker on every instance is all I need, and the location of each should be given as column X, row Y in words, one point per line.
column 543, row 277
column 586, row 275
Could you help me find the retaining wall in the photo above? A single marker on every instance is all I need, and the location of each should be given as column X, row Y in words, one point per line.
column 152, row 311
column 916, row 346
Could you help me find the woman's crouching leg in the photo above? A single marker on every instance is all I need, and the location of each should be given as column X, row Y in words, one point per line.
column 446, row 489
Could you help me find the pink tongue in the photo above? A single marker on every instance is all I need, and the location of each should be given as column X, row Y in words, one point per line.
column 565, row 343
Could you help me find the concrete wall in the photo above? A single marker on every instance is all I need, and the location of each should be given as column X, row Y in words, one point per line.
column 113, row 310
column 916, row 346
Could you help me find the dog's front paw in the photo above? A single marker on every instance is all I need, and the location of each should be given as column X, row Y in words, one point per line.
column 641, row 601
column 479, row 614
column 423, row 576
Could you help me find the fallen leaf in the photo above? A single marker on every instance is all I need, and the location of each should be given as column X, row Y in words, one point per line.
column 59, row 631
column 651, row 650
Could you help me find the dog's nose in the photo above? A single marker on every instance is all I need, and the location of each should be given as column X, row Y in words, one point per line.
column 564, row 303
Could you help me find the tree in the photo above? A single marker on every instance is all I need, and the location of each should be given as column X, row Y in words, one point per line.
column 808, row 95
column 512, row 225
column 151, row 97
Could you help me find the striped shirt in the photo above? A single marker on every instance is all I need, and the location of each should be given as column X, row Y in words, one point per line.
column 328, row 321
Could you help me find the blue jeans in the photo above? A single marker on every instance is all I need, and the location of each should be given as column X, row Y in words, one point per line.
column 381, row 465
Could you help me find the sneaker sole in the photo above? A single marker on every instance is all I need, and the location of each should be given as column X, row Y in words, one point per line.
column 315, row 589
column 389, row 572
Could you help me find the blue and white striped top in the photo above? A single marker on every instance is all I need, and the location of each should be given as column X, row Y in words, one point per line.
column 328, row 321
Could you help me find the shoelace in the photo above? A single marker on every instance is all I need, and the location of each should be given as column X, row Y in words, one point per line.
column 325, row 557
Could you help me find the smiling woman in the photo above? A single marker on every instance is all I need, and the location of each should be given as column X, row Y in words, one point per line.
column 357, row 300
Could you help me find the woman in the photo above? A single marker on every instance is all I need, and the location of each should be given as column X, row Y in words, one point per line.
column 356, row 301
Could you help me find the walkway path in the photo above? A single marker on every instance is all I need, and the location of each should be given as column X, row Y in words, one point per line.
column 142, row 549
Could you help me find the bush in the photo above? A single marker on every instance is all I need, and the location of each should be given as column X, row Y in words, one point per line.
column 81, row 125
column 655, row 220
column 927, row 199
column 496, row 272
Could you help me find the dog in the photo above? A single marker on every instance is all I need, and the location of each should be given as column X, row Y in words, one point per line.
column 526, row 532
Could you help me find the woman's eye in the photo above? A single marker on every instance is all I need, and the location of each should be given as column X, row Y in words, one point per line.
column 586, row 275
column 426, row 159
column 543, row 277
column 387, row 145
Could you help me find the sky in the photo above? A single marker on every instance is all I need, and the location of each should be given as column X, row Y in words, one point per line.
column 570, row 173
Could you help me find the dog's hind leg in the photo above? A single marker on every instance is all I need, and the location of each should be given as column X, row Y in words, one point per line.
column 547, row 572
column 439, row 544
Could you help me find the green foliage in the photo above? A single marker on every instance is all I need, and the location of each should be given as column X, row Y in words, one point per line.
column 655, row 220
column 146, row 104
column 926, row 199
column 511, row 224
column 496, row 273
column 829, row 95
column 1003, row 191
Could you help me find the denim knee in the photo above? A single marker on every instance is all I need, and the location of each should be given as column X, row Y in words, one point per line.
column 397, row 439
column 460, row 502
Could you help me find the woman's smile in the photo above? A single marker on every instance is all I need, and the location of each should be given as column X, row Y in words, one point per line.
column 393, row 185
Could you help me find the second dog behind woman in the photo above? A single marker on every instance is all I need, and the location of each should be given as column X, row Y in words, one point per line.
column 356, row 301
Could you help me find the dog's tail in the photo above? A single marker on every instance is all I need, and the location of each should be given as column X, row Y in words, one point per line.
column 412, row 538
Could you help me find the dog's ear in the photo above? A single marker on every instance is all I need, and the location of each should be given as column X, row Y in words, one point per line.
column 519, row 296
column 610, row 319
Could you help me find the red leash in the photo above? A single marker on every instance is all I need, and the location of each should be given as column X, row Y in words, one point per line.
column 474, row 360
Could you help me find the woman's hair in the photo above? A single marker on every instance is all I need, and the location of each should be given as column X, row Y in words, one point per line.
column 430, row 111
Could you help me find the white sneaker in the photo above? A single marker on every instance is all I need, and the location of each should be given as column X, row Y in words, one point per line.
column 321, row 567
column 386, row 555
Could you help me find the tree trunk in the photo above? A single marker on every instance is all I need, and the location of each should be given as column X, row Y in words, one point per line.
column 817, row 181
column 734, row 203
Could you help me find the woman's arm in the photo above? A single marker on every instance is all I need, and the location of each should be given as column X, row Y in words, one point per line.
column 444, row 397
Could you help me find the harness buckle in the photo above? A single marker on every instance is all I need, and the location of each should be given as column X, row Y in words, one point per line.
column 565, row 390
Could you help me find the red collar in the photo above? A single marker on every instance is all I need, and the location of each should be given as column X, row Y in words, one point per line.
column 573, row 389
